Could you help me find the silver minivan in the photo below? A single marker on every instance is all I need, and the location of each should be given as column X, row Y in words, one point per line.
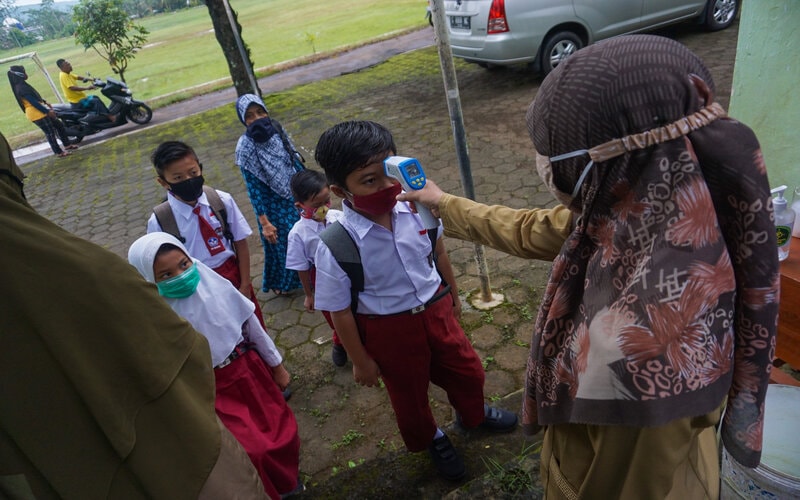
column 544, row 32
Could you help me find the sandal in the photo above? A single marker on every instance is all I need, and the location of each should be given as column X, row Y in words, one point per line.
column 62, row 154
column 71, row 147
column 281, row 293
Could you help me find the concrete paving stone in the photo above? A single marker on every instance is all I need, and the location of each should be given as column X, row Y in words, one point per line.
column 313, row 320
column 511, row 356
column 294, row 334
column 502, row 315
column 302, row 356
column 486, row 337
column 269, row 303
column 499, row 383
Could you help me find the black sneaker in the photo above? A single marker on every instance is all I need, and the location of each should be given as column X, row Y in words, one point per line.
column 494, row 420
column 339, row 355
column 498, row 420
column 446, row 459
column 296, row 491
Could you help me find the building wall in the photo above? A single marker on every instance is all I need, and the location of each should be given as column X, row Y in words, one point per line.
column 766, row 84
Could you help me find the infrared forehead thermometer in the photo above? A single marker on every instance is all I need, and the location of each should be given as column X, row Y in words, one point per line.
column 411, row 176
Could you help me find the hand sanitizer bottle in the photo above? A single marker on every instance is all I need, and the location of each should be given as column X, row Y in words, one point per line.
column 796, row 208
column 784, row 222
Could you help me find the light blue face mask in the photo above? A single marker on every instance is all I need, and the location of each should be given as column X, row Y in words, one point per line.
column 573, row 154
column 180, row 286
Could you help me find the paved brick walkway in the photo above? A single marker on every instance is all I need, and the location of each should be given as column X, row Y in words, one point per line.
column 105, row 193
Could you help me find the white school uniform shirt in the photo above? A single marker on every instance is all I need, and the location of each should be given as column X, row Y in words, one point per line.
column 304, row 238
column 216, row 309
column 189, row 227
column 398, row 275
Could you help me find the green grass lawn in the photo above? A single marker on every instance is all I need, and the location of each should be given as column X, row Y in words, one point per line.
column 182, row 52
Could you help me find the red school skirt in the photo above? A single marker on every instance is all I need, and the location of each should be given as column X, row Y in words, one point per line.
column 252, row 407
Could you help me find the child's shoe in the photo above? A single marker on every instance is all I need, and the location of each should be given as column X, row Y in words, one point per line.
column 339, row 355
column 446, row 459
column 298, row 489
column 494, row 420
column 498, row 420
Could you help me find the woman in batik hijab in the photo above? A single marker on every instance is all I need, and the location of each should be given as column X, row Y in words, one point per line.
column 662, row 301
column 268, row 159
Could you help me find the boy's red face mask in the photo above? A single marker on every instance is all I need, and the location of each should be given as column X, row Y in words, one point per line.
column 379, row 202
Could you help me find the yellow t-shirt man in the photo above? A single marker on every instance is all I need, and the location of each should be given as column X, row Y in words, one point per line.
column 76, row 94
column 68, row 80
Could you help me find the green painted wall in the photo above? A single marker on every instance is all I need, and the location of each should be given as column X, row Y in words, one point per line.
column 766, row 84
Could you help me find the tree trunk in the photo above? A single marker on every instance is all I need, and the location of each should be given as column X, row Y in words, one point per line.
column 227, row 40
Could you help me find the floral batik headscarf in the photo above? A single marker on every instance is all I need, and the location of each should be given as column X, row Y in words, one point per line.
column 663, row 300
column 269, row 161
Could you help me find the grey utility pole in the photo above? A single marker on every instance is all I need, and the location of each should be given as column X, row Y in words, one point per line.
column 487, row 298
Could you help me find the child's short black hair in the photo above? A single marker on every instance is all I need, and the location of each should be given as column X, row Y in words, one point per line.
column 351, row 145
column 170, row 151
column 306, row 184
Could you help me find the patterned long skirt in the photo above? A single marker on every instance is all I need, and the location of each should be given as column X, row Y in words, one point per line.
column 282, row 214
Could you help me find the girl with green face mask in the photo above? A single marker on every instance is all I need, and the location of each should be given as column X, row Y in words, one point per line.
column 248, row 368
column 176, row 275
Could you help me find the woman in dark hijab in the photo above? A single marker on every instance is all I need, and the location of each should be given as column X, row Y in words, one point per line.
column 38, row 111
column 661, row 306
column 268, row 160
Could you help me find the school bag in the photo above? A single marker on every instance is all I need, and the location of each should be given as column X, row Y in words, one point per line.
column 166, row 219
column 345, row 252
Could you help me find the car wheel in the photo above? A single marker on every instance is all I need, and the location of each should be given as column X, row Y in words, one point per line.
column 720, row 14
column 558, row 47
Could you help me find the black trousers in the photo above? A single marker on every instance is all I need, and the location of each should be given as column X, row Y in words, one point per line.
column 51, row 127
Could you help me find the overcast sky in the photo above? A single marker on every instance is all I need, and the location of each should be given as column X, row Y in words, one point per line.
column 31, row 2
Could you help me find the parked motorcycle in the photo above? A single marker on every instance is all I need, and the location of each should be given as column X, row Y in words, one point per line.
column 80, row 123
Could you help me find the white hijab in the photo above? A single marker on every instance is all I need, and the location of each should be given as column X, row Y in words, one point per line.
column 216, row 309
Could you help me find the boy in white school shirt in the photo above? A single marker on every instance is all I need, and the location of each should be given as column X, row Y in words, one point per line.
column 180, row 172
column 312, row 197
column 405, row 329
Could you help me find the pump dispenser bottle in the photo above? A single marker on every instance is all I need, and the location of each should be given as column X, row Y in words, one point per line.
column 784, row 222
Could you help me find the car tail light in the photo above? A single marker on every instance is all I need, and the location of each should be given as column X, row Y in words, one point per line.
column 497, row 18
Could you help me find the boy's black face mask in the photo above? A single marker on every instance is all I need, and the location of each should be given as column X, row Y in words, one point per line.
column 261, row 130
column 188, row 190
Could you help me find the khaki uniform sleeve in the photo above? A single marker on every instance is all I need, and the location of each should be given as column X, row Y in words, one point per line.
column 536, row 233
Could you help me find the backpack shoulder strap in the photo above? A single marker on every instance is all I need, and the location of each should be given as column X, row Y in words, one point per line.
column 219, row 211
column 434, row 257
column 166, row 219
column 344, row 250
